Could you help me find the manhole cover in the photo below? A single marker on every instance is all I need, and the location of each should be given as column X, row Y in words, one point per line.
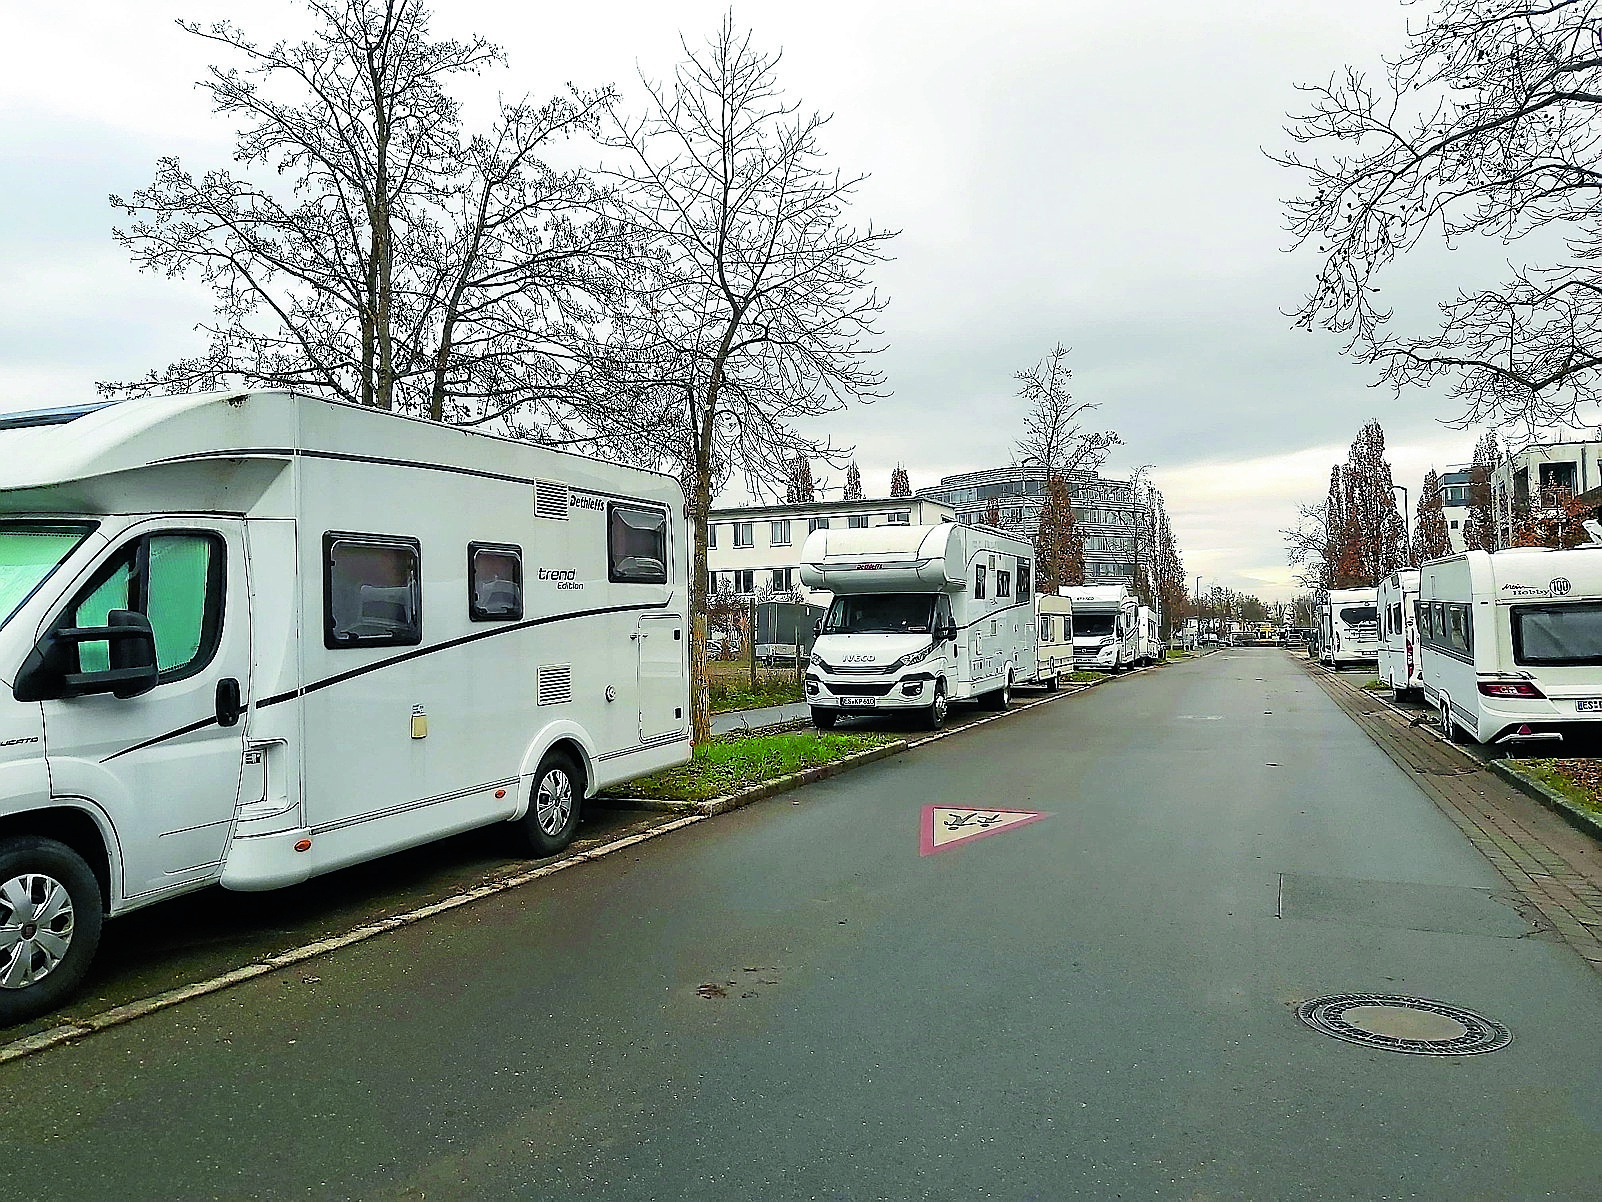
column 1404, row 1024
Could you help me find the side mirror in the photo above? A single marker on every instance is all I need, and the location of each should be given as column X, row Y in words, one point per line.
column 130, row 649
column 942, row 633
column 817, row 628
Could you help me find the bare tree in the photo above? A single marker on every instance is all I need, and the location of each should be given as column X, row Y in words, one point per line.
column 367, row 249
column 752, row 308
column 1053, row 436
column 1489, row 123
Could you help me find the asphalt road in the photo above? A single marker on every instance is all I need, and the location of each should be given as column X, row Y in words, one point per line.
column 793, row 1001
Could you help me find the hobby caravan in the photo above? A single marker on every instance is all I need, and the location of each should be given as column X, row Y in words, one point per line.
column 1511, row 643
column 1054, row 649
column 922, row 616
column 251, row 638
column 1106, row 626
column 1399, row 665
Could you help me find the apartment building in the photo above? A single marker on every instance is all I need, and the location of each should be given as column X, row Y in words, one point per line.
column 756, row 550
column 1542, row 476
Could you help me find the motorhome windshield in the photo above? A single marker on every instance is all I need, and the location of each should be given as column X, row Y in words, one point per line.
column 1545, row 635
column 29, row 552
column 1358, row 616
column 1086, row 625
column 880, row 613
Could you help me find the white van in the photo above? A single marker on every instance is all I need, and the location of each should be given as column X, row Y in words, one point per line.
column 250, row 638
column 1054, row 648
column 1106, row 626
column 1511, row 643
column 922, row 616
column 1397, row 601
column 1348, row 627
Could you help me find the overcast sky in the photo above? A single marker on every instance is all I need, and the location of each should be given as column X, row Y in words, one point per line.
column 1089, row 173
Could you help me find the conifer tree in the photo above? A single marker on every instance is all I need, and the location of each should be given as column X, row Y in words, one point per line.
column 853, row 483
column 900, row 483
column 801, row 490
column 1430, row 537
column 1059, row 549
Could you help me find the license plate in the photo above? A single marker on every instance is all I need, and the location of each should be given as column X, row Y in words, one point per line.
column 859, row 703
column 1588, row 704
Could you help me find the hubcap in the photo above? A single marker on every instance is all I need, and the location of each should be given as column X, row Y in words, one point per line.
column 553, row 803
column 35, row 928
column 940, row 707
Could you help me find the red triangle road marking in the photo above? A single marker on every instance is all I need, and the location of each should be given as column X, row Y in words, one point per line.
column 943, row 827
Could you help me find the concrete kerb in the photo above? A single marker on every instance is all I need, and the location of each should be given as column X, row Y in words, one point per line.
column 1565, row 809
column 700, row 811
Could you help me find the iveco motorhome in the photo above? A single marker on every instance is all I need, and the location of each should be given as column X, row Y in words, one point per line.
column 1106, row 626
column 1348, row 627
column 1399, row 665
column 922, row 616
column 250, row 638
column 1511, row 643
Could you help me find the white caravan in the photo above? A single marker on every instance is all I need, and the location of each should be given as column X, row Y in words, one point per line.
column 1054, row 648
column 922, row 616
column 1149, row 637
column 250, row 638
column 1399, row 665
column 1348, row 633
column 1106, row 626
column 1511, row 643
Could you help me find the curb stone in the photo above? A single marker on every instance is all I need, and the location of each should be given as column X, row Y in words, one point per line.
column 1549, row 797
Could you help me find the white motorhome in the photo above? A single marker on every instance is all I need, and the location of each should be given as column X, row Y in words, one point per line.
column 922, row 616
column 1399, row 666
column 254, row 637
column 1106, row 626
column 1348, row 627
column 1054, row 649
column 1511, row 643
column 1149, row 639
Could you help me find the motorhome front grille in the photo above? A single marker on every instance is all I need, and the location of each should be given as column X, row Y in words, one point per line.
column 555, row 684
column 860, row 690
column 862, row 669
column 550, row 500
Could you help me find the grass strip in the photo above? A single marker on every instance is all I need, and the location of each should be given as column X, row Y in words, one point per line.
column 1087, row 677
column 733, row 761
column 1575, row 780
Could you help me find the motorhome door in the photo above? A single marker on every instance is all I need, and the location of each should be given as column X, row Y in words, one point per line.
column 165, row 766
column 664, row 688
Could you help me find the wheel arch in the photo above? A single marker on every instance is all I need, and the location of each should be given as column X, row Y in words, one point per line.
column 76, row 828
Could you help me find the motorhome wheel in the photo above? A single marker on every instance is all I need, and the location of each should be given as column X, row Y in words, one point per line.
column 50, row 915
column 935, row 716
column 553, row 810
column 1052, row 682
column 824, row 719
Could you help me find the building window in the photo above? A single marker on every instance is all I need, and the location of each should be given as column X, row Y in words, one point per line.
column 711, row 536
column 637, row 545
column 372, row 591
column 783, row 579
column 494, row 582
column 742, row 534
column 899, row 518
column 857, row 521
column 779, row 533
column 743, row 580
column 817, row 524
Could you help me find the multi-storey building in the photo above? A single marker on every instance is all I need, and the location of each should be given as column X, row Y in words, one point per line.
column 756, row 550
column 1455, row 505
column 1107, row 512
column 1542, row 476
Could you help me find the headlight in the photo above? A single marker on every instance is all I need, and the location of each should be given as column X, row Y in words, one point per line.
column 1108, row 641
column 913, row 658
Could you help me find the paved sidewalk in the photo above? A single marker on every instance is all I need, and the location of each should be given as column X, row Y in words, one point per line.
column 1556, row 868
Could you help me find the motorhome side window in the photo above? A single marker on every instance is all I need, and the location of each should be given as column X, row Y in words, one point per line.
column 372, row 591
column 176, row 581
column 1023, row 579
column 1570, row 633
column 637, row 544
column 494, row 582
column 979, row 581
column 942, row 614
column 1003, row 583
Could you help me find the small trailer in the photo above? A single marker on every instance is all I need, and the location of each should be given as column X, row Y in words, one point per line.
column 784, row 631
column 1396, row 598
column 249, row 638
column 922, row 616
column 1511, row 643
column 1106, row 626
column 1054, row 648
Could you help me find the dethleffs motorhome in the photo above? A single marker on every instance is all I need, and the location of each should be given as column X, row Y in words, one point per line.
column 922, row 616
column 1106, row 626
column 1511, row 643
column 1149, row 640
column 254, row 637
column 1399, row 665
column 1348, row 633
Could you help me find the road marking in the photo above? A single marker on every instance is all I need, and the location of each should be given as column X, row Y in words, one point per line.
column 946, row 826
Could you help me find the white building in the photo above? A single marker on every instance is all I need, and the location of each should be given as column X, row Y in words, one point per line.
column 756, row 550
column 1543, row 476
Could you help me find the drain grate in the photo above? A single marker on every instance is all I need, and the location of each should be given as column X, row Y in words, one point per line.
column 1417, row 1026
